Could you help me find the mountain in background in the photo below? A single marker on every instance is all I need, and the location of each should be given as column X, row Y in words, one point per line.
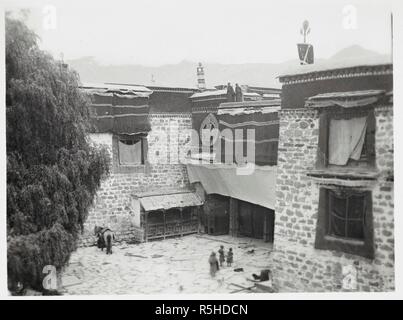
column 183, row 74
column 354, row 51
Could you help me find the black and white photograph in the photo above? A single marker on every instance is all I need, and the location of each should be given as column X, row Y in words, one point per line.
column 211, row 148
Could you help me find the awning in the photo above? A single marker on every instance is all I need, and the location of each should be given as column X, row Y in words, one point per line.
column 119, row 110
column 123, row 123
column 239, row 117
column 168, row 201
column 348, row 99
column 258, row 187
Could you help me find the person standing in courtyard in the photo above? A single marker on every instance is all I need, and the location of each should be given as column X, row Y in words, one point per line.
column 222, row 255
column 230, row 257
column 213, row 264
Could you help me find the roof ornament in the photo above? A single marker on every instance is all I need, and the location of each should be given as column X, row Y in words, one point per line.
column 305, row 50
column 305, row 30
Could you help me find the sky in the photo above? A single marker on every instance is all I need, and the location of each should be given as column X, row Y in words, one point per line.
column 157, row 32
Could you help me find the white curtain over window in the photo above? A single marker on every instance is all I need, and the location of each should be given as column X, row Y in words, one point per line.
column 346, row 139
column 130, row 152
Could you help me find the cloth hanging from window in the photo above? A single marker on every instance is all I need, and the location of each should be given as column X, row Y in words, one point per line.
column 346, row 139
column 130, row 152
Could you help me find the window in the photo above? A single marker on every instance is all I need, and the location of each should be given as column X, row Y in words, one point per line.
column 131, row 151
column 346, row 215
column 345, row 221
column 346, row 139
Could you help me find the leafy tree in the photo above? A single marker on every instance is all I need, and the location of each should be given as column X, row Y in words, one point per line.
column 53, row 172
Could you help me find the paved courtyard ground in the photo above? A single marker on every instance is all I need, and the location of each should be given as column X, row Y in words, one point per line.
column 176, row 265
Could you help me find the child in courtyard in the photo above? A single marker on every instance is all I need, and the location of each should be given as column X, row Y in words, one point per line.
column 213, row 264
column 230, row 257
column 222, row 255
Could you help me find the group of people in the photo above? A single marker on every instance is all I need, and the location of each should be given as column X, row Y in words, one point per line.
column 216, row 264
column 234, row 96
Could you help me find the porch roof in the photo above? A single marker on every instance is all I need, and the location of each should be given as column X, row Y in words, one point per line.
column 169, row 201
column 348, row 99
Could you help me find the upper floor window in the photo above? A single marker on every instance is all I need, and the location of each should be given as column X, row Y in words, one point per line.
column 347, row 139
column 131, row 150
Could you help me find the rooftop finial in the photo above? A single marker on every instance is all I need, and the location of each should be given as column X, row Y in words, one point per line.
column 305, row 30
column 305, row 50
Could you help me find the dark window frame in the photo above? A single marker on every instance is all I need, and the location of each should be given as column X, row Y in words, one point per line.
column 345, row 219
column 130, row 168
column 132, row 139
column 325, row 241
column 367, row 160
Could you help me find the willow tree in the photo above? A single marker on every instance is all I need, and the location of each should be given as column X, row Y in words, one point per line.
column 52, row 171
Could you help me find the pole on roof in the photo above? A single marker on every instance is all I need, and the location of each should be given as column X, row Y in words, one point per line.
column 305, row 30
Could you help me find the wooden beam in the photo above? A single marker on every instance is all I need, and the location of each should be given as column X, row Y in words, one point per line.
column 242, row 288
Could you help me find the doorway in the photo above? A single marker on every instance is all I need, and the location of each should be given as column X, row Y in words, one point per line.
column 255, row 221
column 215, row 219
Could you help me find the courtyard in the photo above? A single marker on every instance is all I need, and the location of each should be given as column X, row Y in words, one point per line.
column 170, row 266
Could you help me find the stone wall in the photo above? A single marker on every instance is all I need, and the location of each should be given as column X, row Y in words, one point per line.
column 296, row 264
column 112, row 205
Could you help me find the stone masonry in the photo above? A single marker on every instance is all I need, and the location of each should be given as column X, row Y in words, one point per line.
column 112, row 205
column 297, row 265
